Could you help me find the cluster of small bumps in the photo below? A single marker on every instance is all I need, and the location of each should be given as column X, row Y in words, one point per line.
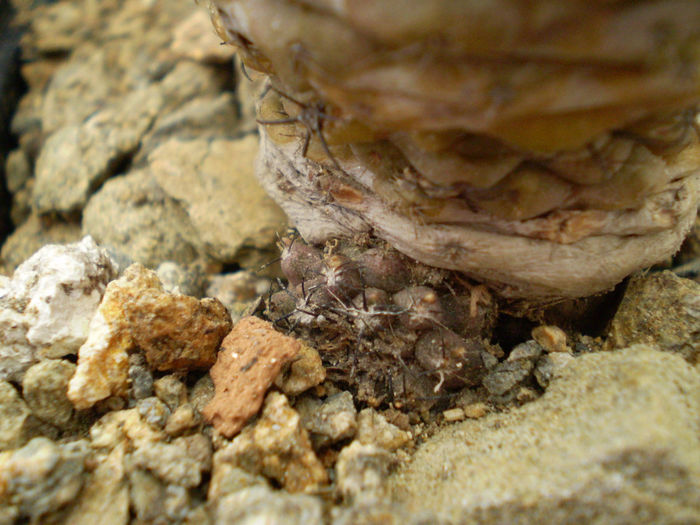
column 396, row 331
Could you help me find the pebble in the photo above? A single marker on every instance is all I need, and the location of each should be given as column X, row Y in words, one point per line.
column 153, row 411
column 659, row 309
column 171, row 391
column 304, row 372
column 550, row 366
column 361, row 472
column 44, row 389
column 174, row 331
column 182, row 419
column 260, row 504
column 140, row 377
column 475, row 410
column 278, row 447
column 330, row 420
column 45, row 309
column 17, row 424
column 251, row 356
column 374, row 429
column 180, row 462
column 506, row 375
column 552, row 338
column 42, row 476
column 453, row 414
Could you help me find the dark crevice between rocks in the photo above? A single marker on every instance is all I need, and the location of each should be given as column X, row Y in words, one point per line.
column 12, row 87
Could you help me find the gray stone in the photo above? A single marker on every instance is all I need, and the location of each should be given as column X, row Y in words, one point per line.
column 31, row 235
column 131, row 214
column 77, row 159
column 260, row 504
column 17, row 170
column 374, row 429
column 140, row 377
column 659, row 309
column 181, row 462
column 17, row 425
column 41, row 477
column 146, row 493
column 551, row 365
column 213, row 180
column 506, row 375
column 614, row 439
column 153, row 411
column 179, row 279
column 171, row 391
column 361, row 472
column 330, row 420
column 105, row 497
column 44, row 388
column 237, row 291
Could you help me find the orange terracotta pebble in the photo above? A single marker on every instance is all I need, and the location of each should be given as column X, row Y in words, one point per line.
column 251, row 356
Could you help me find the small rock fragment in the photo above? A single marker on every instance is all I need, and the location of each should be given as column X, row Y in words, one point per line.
column 153, row 411
column 17, row 424
column 330, row 420
column 237, row 291
column 103, row 361
column 44, row 388
column 250, row 359
column 227, row 478
column 140, row 378
column 551, row 365
column 506, row 375
column 202, row 393
column 47, row 306
column 659, row 309
column 42, row 477
column 260, row 504
column 453, row 414
column 77, row 159
column 182, row 419
column 177, row 332
column 374, row 429
column 146, row 494
column 181, row 462
column 278, row 447
column 475, row 410
column 112, row 429
column 552, row 338
column 171, row 391
column 105, row 498
column 361, row 472
column 213, row 180
column 193, row 38
column 132, row 215
column 178, row 279
column 305, row 371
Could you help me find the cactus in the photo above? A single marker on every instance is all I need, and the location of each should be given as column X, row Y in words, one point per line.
column 546, row 148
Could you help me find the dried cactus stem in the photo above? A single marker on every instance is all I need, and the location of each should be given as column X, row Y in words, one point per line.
column 324, row 202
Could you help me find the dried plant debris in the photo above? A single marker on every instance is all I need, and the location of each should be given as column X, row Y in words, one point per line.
column 395, row 331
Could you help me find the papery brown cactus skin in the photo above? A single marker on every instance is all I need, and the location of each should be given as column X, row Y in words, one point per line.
column 547, row 148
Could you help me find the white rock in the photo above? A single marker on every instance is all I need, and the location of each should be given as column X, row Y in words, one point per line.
column 45, row 309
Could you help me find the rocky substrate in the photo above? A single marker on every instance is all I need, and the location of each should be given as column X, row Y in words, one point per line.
column 152, row 372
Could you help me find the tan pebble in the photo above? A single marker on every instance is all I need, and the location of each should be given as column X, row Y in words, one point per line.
column 552, row 338
column 182, row 419
column 475, row 410
column 251, row 356
column 278, row 447
column 304, row 372
column 453, row 414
